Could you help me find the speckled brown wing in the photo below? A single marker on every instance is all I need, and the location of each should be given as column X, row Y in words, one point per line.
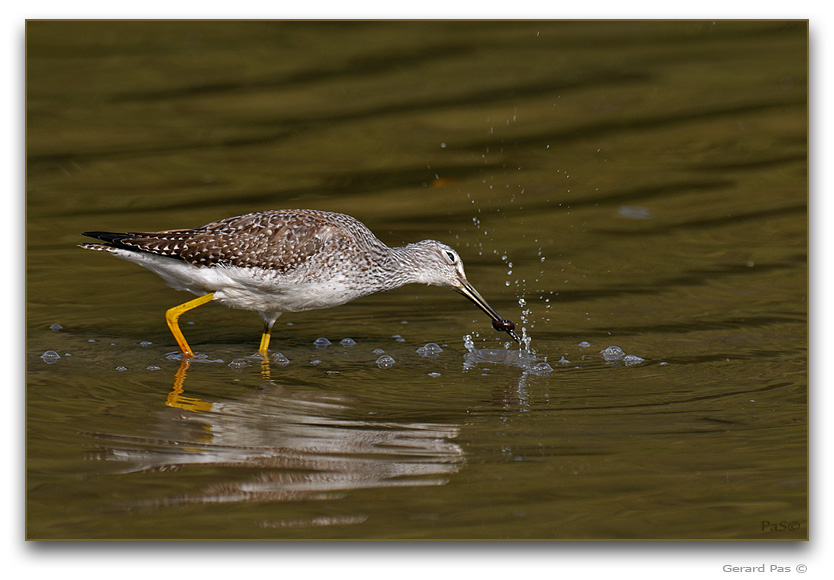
column 271, row 240
column 276, row 241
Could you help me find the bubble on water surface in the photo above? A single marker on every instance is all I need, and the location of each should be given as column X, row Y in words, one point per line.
column 145, row 343
column 632, row 359
column 616, row 354
column 612, row 353
column 584, row 344
column 153, row 368
column 55, row 327
column 347, row 342
column 239, row 363
column 541, row 368
column 385, row 361
column 321, row 342
column 279, row 359
column 430, row 348
column 50, row 357
column 121, row 369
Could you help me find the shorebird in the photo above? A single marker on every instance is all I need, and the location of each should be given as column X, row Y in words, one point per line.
column 281, row 261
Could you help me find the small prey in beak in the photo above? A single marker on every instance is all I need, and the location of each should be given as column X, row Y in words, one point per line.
column 498, row 323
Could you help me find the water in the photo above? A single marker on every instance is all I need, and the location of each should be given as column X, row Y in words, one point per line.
column 607, row 184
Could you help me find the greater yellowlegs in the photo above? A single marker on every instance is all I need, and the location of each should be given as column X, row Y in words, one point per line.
column 287, row 261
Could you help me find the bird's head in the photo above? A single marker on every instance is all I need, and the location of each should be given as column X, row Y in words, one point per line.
column 440, row 265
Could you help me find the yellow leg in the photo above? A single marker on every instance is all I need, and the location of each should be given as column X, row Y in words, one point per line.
column 264, row 348
column 172, row 317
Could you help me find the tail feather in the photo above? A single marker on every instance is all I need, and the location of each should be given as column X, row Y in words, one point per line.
column 110, row 237
column 166, row 244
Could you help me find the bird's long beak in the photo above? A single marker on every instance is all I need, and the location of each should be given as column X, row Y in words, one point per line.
column 498, row 323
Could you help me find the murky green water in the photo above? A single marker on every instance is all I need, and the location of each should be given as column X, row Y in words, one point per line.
column 634, row 184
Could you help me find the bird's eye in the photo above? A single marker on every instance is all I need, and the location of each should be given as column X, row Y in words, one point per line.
column 451, row 257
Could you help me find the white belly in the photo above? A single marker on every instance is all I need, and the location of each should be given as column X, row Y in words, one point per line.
column 248, row 288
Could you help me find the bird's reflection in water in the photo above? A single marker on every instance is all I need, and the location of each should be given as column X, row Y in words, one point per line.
column 513, row 395
column 301, row 443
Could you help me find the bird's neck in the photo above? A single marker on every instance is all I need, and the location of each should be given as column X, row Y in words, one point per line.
column 404, row 265
column 394, row 267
